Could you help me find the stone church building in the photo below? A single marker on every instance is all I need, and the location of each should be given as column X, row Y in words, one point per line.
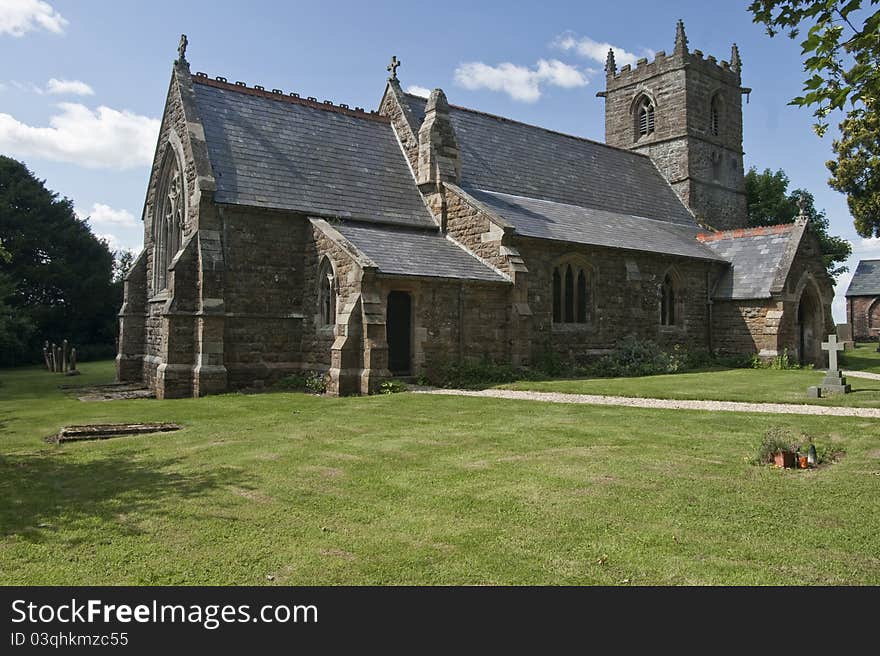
column 285, row 233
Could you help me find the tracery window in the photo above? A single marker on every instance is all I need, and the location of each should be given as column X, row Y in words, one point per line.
column 571, row 294
column 168, row 221
column 326, row 294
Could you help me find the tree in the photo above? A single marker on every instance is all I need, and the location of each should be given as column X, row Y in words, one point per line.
column 769, row 203
column 856, row 172
column 842, row 57
column 59, row 275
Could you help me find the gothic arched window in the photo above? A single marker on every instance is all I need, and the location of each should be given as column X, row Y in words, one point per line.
column 668, row 302
column 169, row 215
column 572, row 302
column 644, row 117
column 326, row 294
column 715, row 115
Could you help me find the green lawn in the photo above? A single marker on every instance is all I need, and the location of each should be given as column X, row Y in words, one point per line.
column 408, row 489
column 756, row 385
column 863, row 358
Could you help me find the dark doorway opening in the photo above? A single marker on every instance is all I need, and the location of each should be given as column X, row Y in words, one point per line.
column 809, row 318
column 398, row 332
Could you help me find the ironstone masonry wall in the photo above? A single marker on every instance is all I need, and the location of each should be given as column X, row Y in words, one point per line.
column 625, row 299
column 706, row 170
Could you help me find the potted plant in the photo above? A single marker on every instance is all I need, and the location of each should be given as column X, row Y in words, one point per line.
column 776, row 448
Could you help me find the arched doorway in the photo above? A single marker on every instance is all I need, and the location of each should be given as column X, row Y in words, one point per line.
column 809, row 327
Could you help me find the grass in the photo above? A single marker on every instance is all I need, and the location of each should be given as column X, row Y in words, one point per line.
column 863, row 358
column 292, row 489
column 751, row 385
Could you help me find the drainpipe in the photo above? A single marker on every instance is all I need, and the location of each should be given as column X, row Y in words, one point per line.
column 460, row 322
column 709, row 344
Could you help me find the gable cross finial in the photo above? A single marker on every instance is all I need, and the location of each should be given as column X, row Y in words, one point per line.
column 181, row 48
column 802, row 206
column 392, row 67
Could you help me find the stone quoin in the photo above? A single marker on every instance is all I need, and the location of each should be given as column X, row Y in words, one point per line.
column 284, row 233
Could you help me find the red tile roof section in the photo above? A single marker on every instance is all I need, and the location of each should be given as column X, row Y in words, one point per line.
column 739, row 233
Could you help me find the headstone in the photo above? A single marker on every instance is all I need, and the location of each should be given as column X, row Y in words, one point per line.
column 64, row 357
column 46, row 357
column 73, row 359
column 845, row 335
column 834, row 381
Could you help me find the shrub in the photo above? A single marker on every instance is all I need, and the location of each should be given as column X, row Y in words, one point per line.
column 635, row 357
column 470, row 375
column 313, row 382
column 776, row 439
column 391, row 387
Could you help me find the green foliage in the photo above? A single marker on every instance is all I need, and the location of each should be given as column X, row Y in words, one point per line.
column 781, row 362
column 856, row 172
column 476, row 375
column 769, row 203
column 776, row 439
column 842, row 59
column 637, row 357
column 392, row 387
column 57, row 277
column 313, row 382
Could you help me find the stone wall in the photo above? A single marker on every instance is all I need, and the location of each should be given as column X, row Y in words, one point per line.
column 746, row 326
column 863, row 314
column 625, row 298
column 263, row 293
column 706, row 170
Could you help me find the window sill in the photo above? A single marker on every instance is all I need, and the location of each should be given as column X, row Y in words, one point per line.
column 572, row 327
column 671, row 330
column 161, row 297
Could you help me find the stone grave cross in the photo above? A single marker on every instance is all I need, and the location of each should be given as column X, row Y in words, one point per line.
column 832, row 346
column 834, row 382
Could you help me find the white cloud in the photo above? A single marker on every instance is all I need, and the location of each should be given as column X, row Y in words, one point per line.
column 103, row 138
column 104, row 215
column 597, row 50
column 18, row 17
column 519, row 82
column 71, row 87
column 416, row 90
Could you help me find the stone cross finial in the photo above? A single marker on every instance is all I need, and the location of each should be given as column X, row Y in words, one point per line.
column 681, row 40
column 735, row 60
column 181, row 48
column 393, row 66
column 802, row 206
column 610, row 63
column 832, row 346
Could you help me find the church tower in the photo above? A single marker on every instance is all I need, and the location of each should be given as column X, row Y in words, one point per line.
column 685, row 112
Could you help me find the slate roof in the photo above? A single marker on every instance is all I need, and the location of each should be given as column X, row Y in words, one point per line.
column 502, row 155
column 760, row 259
column 416, row 253
column 559, row 221
column 866, row 279
column 280, row 154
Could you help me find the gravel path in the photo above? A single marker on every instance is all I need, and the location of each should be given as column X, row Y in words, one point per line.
column 716, row 406
column 862, row 374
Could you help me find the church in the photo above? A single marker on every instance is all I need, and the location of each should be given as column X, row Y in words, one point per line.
column 284, row 233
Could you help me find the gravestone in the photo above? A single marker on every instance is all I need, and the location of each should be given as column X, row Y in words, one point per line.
column 834, row 381
column 845, row 335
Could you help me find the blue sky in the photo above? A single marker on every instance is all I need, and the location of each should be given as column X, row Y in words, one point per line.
column 83, row 82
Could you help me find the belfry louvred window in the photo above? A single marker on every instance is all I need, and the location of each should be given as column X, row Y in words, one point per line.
column 571, row 295
column 645, row 117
